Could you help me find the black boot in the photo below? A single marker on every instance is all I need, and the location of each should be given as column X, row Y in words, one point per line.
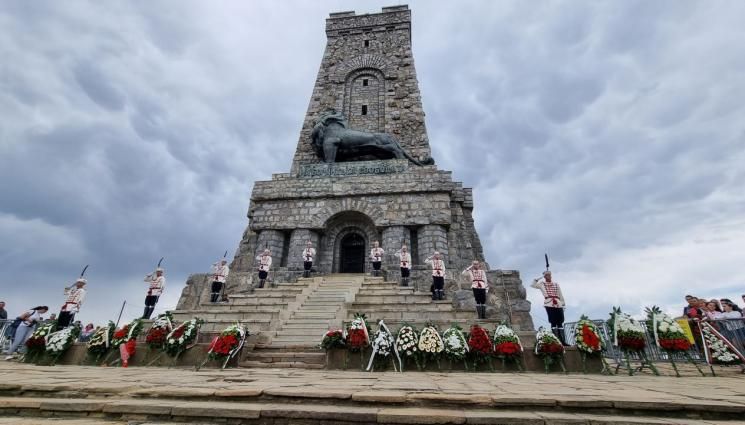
column 441, row 295
column 478, row 311
column 213, row 297
column 146, row 313
column 261, row 283
column 561, row 337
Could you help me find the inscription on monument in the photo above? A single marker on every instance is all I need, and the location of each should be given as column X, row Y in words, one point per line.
column 357, row 168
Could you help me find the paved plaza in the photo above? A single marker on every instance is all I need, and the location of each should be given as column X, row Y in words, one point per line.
column 96, row 393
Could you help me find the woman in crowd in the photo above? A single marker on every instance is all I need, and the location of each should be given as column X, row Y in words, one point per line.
column 26, row 327
column 733, row 328
column 712, row 310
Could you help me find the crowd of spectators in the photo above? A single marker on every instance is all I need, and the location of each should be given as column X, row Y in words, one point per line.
column 725, row 314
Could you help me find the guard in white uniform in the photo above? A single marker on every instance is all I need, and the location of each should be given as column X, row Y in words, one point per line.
column 156, row 284
column 553, row 301
column 308, row 253
column 220, row 272
column 404, row 259
column 438, row 276
column 74, row 297
column 376, row 256
column 479, row 286
column 265, row 264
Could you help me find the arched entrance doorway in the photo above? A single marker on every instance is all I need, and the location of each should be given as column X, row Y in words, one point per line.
column 352, row 254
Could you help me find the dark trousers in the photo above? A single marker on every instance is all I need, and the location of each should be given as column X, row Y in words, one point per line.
column 263, row 274
column 438, row 282
column 216, row 288
column 150, row 302
column 405, row 272
column 555, row 316
column 307, row 265
column 376, row 265
column 64, row 319
column 479, row 294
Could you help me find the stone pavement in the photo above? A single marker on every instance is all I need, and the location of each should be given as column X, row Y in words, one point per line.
column 282, row 396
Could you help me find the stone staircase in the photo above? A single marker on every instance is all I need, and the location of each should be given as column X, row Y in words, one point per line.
column 293, row 343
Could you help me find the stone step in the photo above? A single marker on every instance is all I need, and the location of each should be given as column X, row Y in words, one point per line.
column 253, row 325
column 401, row 306
column 436, row 316
column 239, row 315
column 268, row 356
column 419, row 297
column 301, row 331
column 265, row 302
column 305, row 326
column 281, row 365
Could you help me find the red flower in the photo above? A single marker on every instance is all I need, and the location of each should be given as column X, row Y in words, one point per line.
column 507, row 348
column 550, row 348
column 156, row 336
column 679, row 344
column 356, row 338
column 590, row 338
column 478, row 340
column 178, row 332
column 631, row 343
column 121, row 333
column 131, row 346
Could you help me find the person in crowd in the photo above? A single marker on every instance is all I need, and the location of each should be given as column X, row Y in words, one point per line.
column 87, row 332
column 692, row 311
column 734, row 326
column 220, row 271
column 376, row 257
column 156, row 284
column 712, row 311
column 308, row 253
column 265, row 265
column 404, row 259
column 28, row 322
column 479, row 286
column 74, row 297
column 735, row 307
column 3, row 313
column 52, row 317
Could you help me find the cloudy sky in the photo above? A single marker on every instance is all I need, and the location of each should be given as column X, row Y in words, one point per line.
column 610, row 134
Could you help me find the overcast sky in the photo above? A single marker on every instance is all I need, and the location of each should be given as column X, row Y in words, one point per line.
column 610, row 134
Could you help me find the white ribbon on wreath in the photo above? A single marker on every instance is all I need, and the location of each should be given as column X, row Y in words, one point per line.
column 391, row 341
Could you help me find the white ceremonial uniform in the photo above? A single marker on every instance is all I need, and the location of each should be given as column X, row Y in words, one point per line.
column 438, row 267
column 404, row 260
column 74, row 299
column 157, row 284
column 265, row 262
column 220, row 272
column 478, row 278
column 376, row 254
column 308, row 254
column 552, row 296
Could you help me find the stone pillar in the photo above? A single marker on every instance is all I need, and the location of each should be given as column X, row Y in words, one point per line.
column 393, row 237
column 298, row 238
column 431, row 238
column 275, row 241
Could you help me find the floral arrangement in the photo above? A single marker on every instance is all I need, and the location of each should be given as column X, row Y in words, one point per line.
column 332, row 339
column 383, row 345
column 430, row 345
column 226, row 345
column 358, row 333
column 669, row 336
column 182, row 337
column 549, row 348
column 58, row 342
column 480, row 346
column 127, row 350
column 589, row 342
column 129, row 331
column 156, row 335
column 100, row 341
column 407, row 341
column 36, row 344
column 717, row 348
column 629, row 336
column 507, row 346
column 456, row 346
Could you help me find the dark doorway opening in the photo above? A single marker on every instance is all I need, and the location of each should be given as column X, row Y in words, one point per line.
column 352, row 254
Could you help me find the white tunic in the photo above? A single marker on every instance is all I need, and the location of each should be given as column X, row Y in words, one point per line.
column 438, row 266
column 308, row 254
column 74, row 299
column 376, row 254
column 552, row 296
column 220, row 272
column 265, row 262
column 404, row 260
column 478, row 278
column 156, row 284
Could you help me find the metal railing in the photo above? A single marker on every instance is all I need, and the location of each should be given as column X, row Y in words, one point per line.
column 732, row 329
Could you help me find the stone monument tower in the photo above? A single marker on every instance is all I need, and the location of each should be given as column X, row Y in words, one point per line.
column 362, row 171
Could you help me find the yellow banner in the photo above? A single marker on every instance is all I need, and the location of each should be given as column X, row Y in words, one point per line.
column 685, row 324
